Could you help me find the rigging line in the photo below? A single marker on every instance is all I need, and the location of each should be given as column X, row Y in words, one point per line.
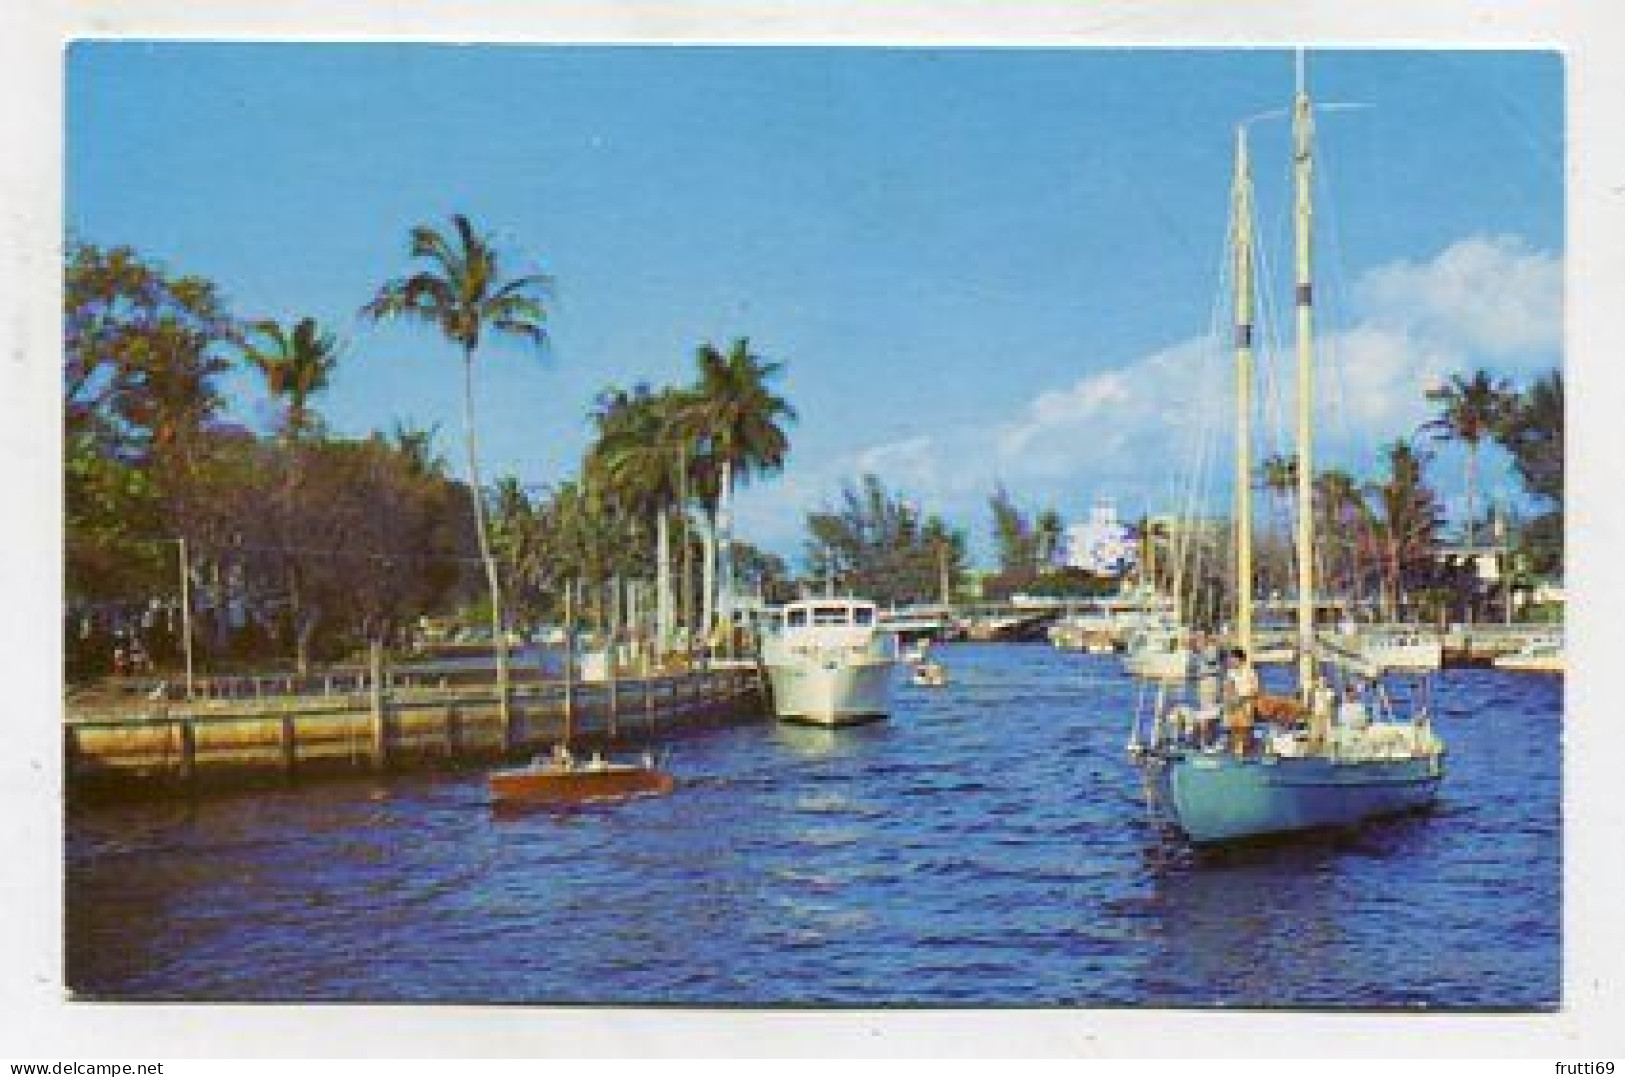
column 1203, row 453
column 1336, row 357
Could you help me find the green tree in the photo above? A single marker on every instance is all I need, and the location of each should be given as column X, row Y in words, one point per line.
column 296, row 366
column 739, row 423
column 1012, row 533
column 878, row 545
column 1471, row 410
column 461, row 290
column 640, row 452
column 1532, row 432
column 1408, row 518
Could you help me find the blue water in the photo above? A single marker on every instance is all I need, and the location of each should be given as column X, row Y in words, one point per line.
column 988, row 845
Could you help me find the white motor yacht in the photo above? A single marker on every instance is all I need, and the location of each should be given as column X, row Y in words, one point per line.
column 828, row 662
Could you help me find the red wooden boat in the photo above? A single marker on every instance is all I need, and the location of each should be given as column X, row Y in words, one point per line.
column 562, row 780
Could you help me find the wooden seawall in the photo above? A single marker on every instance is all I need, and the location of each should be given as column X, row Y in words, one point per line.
column 172, row 746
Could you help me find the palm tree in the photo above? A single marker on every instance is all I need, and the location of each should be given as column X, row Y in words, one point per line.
column 738, row 420
column 296, row 366
column 415, row 444
column 1472, row 409
column 461, row 291
column 1344, row 526
column 1409, row 519
column 1533, row 434
column 1278, row 475
column 639, row 453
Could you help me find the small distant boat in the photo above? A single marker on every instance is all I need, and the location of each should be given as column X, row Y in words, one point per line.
column 1161, row 653
column 561, row 779
column 929, row 674
column 1392, row 646
column 1543, row 654
column 828, row 662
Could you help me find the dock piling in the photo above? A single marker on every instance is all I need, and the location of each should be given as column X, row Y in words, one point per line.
column 380, row 719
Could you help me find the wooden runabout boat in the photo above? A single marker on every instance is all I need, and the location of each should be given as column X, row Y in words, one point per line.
column 560, row 779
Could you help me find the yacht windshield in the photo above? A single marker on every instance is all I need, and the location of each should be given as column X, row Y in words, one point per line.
column 796, row 618
column 831, row 615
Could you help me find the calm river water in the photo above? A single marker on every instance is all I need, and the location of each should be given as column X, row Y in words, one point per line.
column 988, row 845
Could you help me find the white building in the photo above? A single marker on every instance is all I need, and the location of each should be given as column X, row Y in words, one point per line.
column 1101, row 545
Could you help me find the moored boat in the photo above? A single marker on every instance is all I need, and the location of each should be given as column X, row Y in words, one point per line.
column 828, row 663
column 1543, row 654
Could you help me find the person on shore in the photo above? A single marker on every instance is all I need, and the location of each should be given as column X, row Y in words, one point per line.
column 1242, row 683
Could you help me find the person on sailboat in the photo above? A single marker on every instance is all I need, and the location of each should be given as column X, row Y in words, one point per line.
column 1352, row 713
column 1242, row 683
column 1208, row 668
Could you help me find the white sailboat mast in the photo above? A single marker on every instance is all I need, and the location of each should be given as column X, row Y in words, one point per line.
column 1302, row 174
column 1243, row 243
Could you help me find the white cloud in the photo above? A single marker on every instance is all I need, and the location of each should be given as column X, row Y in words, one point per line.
column 1483, row 301
column 1491, row 296
column 1134, row 431
column 911, row 462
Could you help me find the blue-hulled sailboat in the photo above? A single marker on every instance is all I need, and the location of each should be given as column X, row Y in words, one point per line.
column 1350, row 746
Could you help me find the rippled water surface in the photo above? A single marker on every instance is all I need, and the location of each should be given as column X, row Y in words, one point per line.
column 988, row 845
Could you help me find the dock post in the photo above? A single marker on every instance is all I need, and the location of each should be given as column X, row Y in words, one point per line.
column 380, row 719
column 569, row 663
column 188, row 738
column 611, row 653
column 290, row 750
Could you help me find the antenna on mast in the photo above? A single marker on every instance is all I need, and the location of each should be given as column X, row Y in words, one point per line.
column 1300, row 69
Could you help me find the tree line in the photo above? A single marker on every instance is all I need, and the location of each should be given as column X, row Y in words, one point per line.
column 306, row 544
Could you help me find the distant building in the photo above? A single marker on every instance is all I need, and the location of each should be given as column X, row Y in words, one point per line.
column 1101, row 545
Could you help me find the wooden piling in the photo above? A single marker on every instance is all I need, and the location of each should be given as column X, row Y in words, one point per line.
column 569, row 662
column 380, row 717
column 290, row 746
column 188, row 749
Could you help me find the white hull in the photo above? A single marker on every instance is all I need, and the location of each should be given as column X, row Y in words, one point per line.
column 1531, row 663
column 1159, row 665
column 1392, row 651
column 832, row 692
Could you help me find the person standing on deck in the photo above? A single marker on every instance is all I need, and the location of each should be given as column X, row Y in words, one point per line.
column 1208, row 668
column 1243, row 692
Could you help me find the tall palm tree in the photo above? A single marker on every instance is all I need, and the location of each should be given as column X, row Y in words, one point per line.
column 1278, row 476
column 1408, row 520
column 296, row 365
column 461, row 291
column 640, row 454
column 739, row 422
column 1471, row 409
column 1533, row 434
column 1344, row 526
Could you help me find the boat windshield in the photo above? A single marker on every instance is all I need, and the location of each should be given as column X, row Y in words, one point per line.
column 796, row 618
column 831, row 615
column 863, row 616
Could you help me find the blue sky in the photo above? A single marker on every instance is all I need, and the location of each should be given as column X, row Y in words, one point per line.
column 978, row 265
